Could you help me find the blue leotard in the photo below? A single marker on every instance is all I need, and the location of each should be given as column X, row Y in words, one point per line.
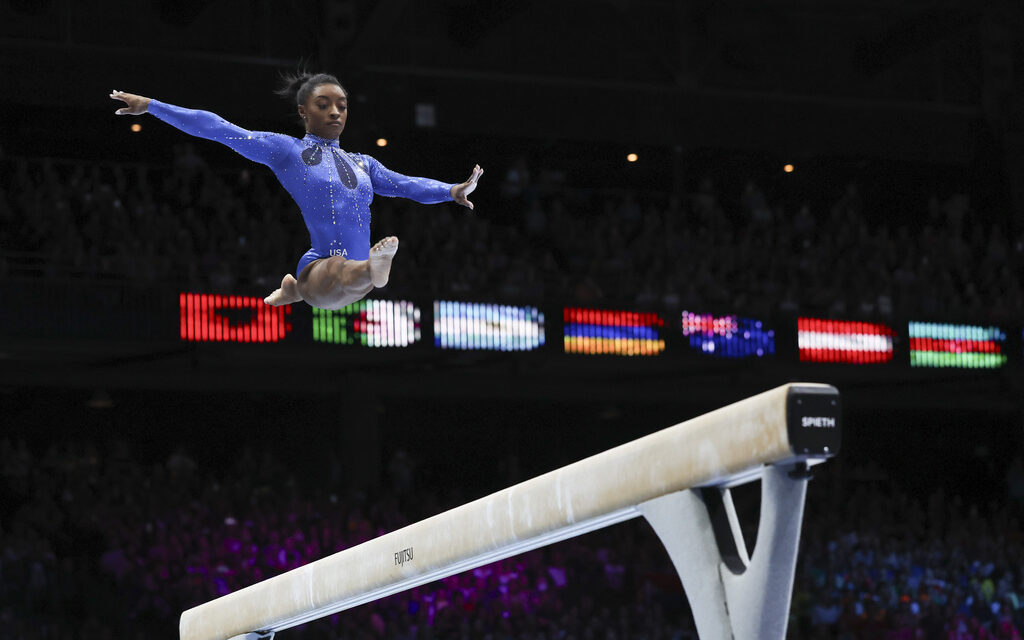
column 332, row 187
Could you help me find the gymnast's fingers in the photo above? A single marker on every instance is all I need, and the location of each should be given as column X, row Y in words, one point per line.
column 121, row 95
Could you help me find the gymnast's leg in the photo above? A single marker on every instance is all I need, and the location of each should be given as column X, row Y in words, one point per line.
column 332, row 283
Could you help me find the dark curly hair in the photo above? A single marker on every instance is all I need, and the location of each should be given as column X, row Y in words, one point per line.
column 296, row 87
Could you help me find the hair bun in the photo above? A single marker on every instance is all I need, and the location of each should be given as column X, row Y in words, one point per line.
column 295, row 87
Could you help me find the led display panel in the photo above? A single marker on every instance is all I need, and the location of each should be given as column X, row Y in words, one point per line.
column 962, row 346
column 217, row 318
column 844, row 341
column 727, row 336
column 369, row 323
column 623, row 333
column 471, row 325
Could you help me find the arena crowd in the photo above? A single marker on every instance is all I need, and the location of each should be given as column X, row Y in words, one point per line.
column 97, row 543
column 238, row 231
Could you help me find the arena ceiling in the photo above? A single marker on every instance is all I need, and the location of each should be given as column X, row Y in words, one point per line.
column 913, row 78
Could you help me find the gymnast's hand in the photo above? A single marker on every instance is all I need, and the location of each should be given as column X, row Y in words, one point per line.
column 136, row 104
column 460, row 191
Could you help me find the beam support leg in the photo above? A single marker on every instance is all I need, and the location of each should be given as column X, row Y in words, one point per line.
column 735, row 596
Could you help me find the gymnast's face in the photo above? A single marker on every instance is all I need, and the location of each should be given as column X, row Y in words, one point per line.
column 325, row 111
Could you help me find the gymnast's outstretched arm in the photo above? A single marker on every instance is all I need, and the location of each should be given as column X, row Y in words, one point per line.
column 391, row 183
column 259, row 146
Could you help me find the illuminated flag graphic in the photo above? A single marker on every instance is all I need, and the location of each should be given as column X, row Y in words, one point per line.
column 470, row 325
column 215, row 318
column 624, row 333
column 369, row 323
column 956, row 345
column 728, row 336
column 844, row 341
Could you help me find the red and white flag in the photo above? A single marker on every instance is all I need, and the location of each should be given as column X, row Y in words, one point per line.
column 823, row 340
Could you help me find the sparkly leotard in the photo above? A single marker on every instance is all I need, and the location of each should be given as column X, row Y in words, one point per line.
column 332, row 187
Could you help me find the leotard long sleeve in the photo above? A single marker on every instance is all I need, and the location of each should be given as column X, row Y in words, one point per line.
column 332, row 187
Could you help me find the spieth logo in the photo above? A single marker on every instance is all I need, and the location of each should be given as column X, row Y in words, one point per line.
column 403, row 556
column 822, row 422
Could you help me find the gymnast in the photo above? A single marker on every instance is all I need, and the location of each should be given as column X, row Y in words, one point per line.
column 332, row 187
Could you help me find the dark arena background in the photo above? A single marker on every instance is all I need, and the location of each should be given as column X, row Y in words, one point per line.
column 685, row 203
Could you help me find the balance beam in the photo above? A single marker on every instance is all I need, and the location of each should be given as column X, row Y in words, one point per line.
column 788, row 428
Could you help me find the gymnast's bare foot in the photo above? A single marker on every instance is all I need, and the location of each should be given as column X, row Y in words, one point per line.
column 380, row 260
column 287, row 294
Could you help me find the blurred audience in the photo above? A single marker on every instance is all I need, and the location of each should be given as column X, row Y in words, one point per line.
column 239, row 231
column 97, row 544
